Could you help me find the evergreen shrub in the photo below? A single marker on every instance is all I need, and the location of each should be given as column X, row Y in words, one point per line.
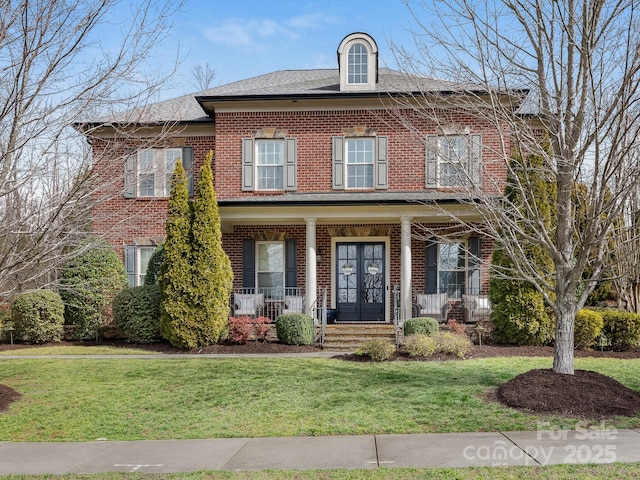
column 88, row 283
column 378, row 350
column 588, row 327
column 38, row 317
column 521, row 317
column 421, row 325
column 136, row 313
column 154, row 265
column 621, row 328
column 295, row 329
column 421, row 345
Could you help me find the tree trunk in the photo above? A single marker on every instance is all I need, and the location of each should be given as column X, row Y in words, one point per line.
column 563, row 354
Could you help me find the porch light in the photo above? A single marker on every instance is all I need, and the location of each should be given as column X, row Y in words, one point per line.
column 319, row 256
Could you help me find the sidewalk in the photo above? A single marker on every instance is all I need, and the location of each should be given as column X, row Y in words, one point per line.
column 302, row 453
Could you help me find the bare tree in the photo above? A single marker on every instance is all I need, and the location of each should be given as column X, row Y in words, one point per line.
column 203, row 76
column 558, row 80
column 60, row 61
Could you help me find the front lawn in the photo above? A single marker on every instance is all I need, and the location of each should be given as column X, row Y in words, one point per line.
column 129, row 399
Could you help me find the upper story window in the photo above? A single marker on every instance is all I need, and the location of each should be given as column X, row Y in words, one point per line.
column 148, row 171
column 269, row 164
column 453, row 161
column 358, row 63
column 360, row 163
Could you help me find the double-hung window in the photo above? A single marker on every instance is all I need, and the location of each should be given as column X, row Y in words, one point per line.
column 453, row 267
column 453, row 160
column 148, row 171
column 136, row 260
column 360, row 163
column 270, row 270
column 269, row 164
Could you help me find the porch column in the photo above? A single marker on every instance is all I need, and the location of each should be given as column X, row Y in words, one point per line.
column 405, row 268
column 311, row 274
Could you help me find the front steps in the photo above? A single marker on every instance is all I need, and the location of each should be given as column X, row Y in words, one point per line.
column 347, row 337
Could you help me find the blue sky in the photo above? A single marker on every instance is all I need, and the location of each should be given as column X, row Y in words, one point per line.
column 245, row 38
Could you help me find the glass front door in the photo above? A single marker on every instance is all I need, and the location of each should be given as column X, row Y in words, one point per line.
column 360, row 278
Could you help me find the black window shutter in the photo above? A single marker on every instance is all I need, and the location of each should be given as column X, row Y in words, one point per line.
column 475, row 246
column 431, row 266
column 248, row 263
column 291, row 274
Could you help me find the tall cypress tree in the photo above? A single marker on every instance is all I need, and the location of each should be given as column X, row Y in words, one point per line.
column 175, row 274
column 212, row 274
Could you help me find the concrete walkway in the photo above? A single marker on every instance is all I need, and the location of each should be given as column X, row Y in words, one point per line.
column 302, row 453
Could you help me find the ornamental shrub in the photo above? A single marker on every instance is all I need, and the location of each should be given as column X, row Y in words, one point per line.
column 136, row 313
column 521, row 317
column 88, row 283
column 421, row 345
column 588, row 326
column 423, row 325
column 38, row 317
column 453, row 344
column 243, row 329
column 621, row 328
column 378, row 350
column 154, row 265
column 295, row 329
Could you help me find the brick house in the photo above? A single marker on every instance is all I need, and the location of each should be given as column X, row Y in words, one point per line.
column 323, row 191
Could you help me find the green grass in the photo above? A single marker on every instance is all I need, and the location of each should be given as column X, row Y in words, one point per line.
column 77, row 350
column 128, row 399
column 556, row 472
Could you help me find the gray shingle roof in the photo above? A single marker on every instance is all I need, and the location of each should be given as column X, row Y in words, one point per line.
column 320, row 82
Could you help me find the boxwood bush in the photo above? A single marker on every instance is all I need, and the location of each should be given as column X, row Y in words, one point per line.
column 421, row 325
column 588, row 327
column 295, row 329
column 621, row 328
column 378, row 350
column 38, row 317
column 136, row 313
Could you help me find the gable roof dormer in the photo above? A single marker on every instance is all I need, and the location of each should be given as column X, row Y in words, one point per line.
column 358, row 62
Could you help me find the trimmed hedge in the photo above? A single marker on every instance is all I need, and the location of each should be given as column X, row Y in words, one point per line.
column 521, row 318
column 421, row 325
column 588, row 327
column 136, row 313
column 38, row 317
column 621, row 328
column 295, row 329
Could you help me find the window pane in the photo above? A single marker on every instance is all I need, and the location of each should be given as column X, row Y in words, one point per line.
column 359, row 162
column 144, row 257
column 452, row 283
column 270, row 257
column 269, row 161
column 357, row 64
column 454, row 158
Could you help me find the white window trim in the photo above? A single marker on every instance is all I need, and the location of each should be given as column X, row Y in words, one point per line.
column 465, row 247
column 258, row 271
column 166, row 189
column 372, row 62
column 372, row 163
column 257, row 165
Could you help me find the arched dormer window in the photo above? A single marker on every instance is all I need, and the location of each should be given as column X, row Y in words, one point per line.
column 358, row 62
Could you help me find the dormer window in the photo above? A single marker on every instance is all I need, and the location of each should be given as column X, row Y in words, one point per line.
column 358, row 63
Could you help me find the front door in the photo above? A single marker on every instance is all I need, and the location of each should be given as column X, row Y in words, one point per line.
column 361, row 282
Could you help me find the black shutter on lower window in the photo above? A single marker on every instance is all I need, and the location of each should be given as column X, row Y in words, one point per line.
column 248, row 263
column 475, row 247
column 431, row 266
column 291, row 273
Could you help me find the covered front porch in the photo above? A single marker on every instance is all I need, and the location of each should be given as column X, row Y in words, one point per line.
column 341, row 262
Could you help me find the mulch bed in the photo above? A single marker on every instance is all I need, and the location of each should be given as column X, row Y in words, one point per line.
column 583, row 395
